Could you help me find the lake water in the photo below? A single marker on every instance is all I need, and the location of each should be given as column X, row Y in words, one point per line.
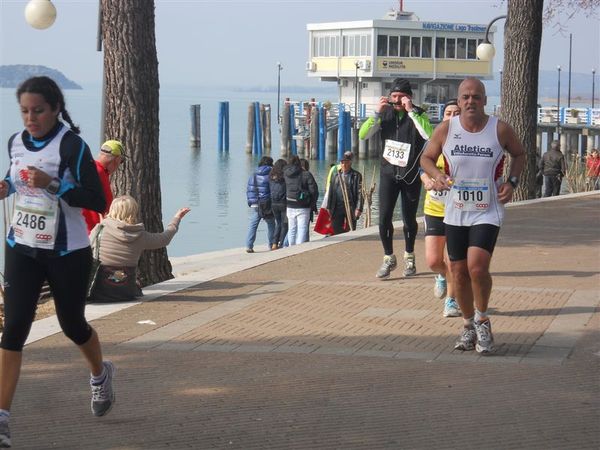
column 211, row 183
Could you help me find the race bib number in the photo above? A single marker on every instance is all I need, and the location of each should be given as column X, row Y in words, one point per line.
column 34, row 221
column 438, row 196
column 396, row 153
column 471, row 194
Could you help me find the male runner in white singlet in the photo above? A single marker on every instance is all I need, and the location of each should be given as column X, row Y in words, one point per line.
column 473, row 145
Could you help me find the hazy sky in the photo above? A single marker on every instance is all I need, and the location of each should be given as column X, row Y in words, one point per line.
column 232, row 42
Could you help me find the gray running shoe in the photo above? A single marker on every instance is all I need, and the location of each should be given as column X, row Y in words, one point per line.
column 4, row 434
column 103, row 395
column 485, row 338
column 466, row 341
column 440, row 287
column 410, row 267
column 389, row 264
column 451, row 308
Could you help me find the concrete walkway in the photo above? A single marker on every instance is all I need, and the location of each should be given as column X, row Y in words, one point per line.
column 304, row 348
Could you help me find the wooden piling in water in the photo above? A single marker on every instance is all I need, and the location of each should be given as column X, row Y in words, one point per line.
column 196, row 132
column 267, row 127
column 314, row 133
column 250, row 129
column 285, row 131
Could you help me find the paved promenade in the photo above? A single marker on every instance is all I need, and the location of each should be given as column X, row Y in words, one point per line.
column 303, row 348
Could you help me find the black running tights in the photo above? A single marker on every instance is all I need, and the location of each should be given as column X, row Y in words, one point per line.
column 389, row 189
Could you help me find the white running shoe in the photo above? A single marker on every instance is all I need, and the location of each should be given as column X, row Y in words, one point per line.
column 389, row 264
column 451, row 308
column 4, row 434
column 485, row 338
column 440, row 287
column 410, row 266
column 103, row 395
column 466, row 340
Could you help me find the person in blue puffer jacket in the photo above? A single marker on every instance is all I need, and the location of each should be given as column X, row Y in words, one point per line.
column 258, row 192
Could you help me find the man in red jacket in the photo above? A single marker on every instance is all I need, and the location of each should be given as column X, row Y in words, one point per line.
column 107, row 162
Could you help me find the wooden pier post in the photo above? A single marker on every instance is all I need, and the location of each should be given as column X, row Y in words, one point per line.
column 285, row 131
column 196, row 132
column 266, row 113
column 314, row 133
column 250, row 129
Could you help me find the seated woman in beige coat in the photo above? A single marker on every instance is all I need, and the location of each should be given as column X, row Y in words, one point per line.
column 121, row 238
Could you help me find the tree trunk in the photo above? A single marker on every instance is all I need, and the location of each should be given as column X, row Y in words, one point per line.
column 522, row 41
column 131, row 116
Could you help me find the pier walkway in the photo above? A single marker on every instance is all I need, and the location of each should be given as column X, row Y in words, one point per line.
column 302, row 348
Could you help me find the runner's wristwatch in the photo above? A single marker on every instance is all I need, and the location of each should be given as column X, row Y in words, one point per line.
column 513, row 181
column 54, row 186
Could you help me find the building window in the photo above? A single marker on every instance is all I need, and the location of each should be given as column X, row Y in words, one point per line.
column 352, row 51
column 364, row 48
column 382, row 47
column 472, row 49
column 426, row 50
column 393, row 46
column 440, row 47
column 415, row 47
column 404, row 46
column 461, row 48
column 451, row 48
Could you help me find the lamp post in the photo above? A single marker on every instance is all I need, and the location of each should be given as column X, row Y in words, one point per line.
column 356, row 65
column 593, row 86
column 486, row 50
column 279, row 69
column 40, row 14
column 570, row 51
column 558, row 104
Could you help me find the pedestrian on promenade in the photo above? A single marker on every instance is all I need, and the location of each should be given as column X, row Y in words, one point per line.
column 345, row 199
column 592, row 165
column 473, row 145
column 306, row 166
column 404, row 130
column 107, row 162
column 52, row 175
column 120, row 239
column 258, row 194
column 302, row 194
column 278, row 203
column 435, row 229
column 553, row 168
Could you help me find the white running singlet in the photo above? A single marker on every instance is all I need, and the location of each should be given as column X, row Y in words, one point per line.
column 473, row 159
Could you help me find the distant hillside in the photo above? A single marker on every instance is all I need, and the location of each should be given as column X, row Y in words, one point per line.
column 13, row 76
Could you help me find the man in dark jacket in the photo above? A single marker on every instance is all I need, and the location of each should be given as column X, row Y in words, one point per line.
column 404, row 130
column 258, row 195
column 553, row 167
column 349, row 180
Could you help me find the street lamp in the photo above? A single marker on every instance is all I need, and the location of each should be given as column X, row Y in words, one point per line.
column 486, row 50
column 593, row 86
column 279, row 69
column 356, row 66
column 558, row 104
column 40, row 14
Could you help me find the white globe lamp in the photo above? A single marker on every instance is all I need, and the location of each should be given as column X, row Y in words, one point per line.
column 40, row 14
column 485, row 51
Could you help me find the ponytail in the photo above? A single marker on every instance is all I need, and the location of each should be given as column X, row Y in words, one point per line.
column 67, row 118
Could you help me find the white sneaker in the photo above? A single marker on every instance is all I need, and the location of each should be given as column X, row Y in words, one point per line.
column 103, row 395
column 440, row 287
column 485, row 338
column 410, row 266
column 389, row 264
column 451, row 308
column 4, row 434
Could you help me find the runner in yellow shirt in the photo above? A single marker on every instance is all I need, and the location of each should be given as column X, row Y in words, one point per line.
column 435, row 233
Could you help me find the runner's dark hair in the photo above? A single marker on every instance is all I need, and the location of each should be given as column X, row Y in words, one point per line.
column 47, row 88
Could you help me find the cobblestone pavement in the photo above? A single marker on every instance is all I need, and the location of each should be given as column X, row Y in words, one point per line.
column 311, row 351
